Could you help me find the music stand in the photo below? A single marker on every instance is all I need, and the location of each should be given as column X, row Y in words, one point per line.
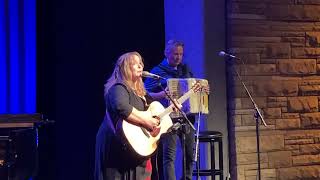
column 197, row 133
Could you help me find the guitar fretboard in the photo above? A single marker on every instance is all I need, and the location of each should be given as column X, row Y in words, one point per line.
column 182, row 99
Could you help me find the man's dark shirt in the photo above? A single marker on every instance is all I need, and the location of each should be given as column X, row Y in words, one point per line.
column 166, row 71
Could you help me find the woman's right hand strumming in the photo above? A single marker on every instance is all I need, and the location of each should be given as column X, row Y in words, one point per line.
column 152, row 123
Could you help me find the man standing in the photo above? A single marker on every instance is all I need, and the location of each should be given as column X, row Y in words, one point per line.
column 172, row 67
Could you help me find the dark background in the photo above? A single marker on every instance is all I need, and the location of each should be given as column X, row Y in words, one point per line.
column 78, row 42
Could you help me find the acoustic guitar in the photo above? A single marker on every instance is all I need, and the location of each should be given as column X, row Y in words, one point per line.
column 145, row 142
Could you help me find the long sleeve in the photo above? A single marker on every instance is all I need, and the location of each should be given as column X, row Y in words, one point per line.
column 119, row 101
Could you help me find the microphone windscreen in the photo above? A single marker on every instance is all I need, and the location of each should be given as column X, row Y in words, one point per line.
column 145, row 73
column 222, row 53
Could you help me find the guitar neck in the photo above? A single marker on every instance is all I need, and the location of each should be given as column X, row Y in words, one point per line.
column 182, row 99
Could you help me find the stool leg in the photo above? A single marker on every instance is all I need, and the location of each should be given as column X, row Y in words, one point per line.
column 221, row 158
column 213, row 164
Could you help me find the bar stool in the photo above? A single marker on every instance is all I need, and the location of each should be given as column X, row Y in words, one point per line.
column 214, row 138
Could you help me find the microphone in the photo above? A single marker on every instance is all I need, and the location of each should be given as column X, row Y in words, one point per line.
column 150, row 75
column 224, row 54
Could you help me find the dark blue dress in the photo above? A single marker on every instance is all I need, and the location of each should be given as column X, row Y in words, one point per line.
column 114, row 159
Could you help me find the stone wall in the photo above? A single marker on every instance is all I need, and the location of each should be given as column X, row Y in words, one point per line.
column 279, row 42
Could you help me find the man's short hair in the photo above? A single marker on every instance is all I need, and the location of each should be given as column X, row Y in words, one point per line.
column 172, row 44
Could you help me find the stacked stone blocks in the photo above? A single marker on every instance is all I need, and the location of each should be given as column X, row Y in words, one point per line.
column 279, row 43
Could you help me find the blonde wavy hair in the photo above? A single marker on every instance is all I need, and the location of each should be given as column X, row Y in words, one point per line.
column 122, row 73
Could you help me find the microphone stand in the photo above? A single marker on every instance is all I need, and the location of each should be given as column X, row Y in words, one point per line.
column 183, row 130
column 257, row 115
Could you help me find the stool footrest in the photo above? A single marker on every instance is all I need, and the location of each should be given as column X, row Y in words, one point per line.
column 207, row 172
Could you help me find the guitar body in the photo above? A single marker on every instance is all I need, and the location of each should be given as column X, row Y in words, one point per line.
column 142, row 141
